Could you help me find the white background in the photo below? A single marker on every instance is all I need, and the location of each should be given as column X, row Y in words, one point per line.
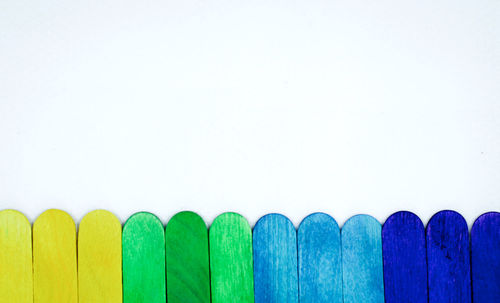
column 294, row 107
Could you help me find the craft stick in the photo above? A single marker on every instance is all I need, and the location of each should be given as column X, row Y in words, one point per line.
column 485, row 238
column 275, row 260
column 404, row 254
column 319, row 260
column 54, row 258
column 100, row 258
column 188, row 277
column 362, row 260
column 448, row 258
column 231, row 262
column 16, row 266
column 143, row 244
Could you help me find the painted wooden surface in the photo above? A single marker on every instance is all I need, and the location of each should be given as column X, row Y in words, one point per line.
column 188, row 277
column 16, row 270
column 404, row 255
column 448, row 259
column 485, row 239
column 319, row 260
column 54, row 258
column 231, row 262
column 143, row 244
column 363, row 277
column 100, row 258
column 275, row 260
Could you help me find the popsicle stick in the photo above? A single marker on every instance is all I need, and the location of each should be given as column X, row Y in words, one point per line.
column 485, row 238
column 54, row 258
column 275, row 260
column 16, row 266
column 319, row 260
column 100, row 258
column 448, row 258
column 362, row 260
column 143, row 244
column 188, row 276
column 404, row 254
column 231, row 262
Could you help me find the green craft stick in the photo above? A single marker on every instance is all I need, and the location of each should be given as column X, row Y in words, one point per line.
column 188, row 277
column 231, row 262
column 143, row 259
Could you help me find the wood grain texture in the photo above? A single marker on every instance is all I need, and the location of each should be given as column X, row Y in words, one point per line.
column 319, row 260
column 143, row 244
column 188, row 276
column 231, row 261
column 100, row 258
column 485, row 238
column 275, row 260
column 448, row 258
column 54, row 258
column 363, row 276
column 16, row 266
column 404, row 254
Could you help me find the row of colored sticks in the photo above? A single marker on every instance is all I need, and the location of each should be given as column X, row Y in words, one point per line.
column 145, row 262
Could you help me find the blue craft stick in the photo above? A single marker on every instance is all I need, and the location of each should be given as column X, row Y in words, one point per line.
column 448, row 258
column 363, row 277
column 404, row 254
column 320, row 262
column 485, row 238
column 275, row 260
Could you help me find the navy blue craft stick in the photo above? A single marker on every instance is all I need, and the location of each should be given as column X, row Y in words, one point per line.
column 275, row 260
column 404, row 254
column 485, row 238
column 362, row 268
column 448, row 258
column 320, row 260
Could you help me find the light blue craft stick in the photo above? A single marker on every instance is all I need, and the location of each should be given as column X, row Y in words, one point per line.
column 362, row 266
column 275, row 260
column 320, row 260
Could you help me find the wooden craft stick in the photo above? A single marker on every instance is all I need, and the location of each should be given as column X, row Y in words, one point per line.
column 188, row 277
column 362, row 260
column 100, row 258
column 54, row 258
column 319, row 260
column 143, row 244
column 16, row 266
column 275, row 260
column 485, row 238
column 404, row 254
column 448, row 258
column 231, row 262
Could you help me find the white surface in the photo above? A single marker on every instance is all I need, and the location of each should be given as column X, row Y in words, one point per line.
column 251, row 106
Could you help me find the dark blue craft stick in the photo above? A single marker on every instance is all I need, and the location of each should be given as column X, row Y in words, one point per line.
column 448, row 258
column 363, row 276
column 405, row 265
column 320, row 263
column 275, row 260
column 485, row 238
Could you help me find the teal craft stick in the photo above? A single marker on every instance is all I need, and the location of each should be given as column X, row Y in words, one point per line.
column 362, row 264
column 319, row 260
column 275, row 260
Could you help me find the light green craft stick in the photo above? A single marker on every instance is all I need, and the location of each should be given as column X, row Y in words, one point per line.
column 231, row 261
column 143, row 260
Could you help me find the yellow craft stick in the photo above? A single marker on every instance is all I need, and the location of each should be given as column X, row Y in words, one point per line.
column 100, row 258
column 16, row 267
column 54, row 258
